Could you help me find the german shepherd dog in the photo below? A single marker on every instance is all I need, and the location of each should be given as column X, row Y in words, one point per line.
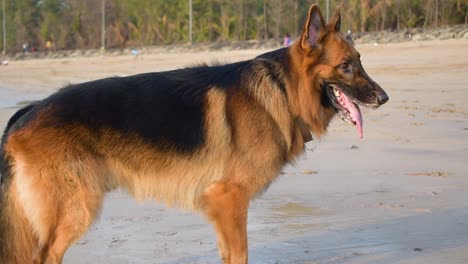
column 207, row 138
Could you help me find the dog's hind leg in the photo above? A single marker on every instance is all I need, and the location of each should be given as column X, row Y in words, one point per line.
column 62, row 237
column 226, row 205
column 80, row 207
column 59, row 185
column 62, row 202
column 74, row 220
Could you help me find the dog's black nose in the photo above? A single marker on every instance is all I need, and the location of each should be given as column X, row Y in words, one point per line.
column 382, row 98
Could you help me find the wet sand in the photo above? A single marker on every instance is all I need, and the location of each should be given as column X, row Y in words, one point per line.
column 397, row 196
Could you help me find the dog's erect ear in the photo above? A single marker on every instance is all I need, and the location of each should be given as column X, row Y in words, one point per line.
column 314, row 29
column 335, row 21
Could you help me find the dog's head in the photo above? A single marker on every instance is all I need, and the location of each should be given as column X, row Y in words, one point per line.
column 332, row 80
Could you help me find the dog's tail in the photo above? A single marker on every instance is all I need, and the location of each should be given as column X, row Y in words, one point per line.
column 17, row 239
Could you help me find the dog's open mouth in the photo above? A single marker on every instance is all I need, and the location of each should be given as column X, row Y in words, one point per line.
column 345, row 107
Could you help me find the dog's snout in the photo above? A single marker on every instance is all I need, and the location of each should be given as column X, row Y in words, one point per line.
column 382, row 97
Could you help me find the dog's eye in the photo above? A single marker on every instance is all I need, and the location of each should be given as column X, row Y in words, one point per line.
column 344, row 65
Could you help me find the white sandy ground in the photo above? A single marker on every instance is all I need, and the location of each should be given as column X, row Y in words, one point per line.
column 400, row 195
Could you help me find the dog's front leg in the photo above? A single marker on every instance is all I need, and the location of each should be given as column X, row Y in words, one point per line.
column 226, row 205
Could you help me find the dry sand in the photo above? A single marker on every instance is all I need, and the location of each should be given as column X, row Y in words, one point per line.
column 400, row 195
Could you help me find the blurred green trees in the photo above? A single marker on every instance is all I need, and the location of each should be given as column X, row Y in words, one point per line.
column 73, row 24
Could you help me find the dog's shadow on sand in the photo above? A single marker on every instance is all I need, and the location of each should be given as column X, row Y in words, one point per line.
column 392, row 241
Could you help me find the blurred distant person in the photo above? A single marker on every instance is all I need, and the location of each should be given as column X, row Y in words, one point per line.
column 48, row 45
column 286, row 40
column 349, row 37
column 25, row 47
column 134, row 52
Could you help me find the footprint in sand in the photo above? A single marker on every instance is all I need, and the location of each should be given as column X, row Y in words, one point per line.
column 416, row 123
column 116, row 242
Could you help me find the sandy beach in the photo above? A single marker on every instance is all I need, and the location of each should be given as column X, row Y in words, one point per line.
column 399, row 195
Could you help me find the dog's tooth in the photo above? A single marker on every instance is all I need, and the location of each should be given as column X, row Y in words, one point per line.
column 336, row 92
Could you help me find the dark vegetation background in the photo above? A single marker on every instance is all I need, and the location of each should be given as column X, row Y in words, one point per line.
column 76, row 24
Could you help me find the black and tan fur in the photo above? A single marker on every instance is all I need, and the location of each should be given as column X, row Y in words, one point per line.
column 207, row 138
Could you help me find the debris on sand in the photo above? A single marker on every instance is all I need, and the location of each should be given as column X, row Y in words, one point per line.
column 308, row 172
column 422, row 210
column 431, row 173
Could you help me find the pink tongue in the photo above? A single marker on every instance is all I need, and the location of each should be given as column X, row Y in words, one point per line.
column 355, row 113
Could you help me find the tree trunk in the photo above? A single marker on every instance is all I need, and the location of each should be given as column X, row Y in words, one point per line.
column 398, row 16
column 279, row 8
column 265, row 25
column 384, row 16
column 376, row 23
column 244, row 25
column 296, row 6
column 466, row 17
column 210, row 21
column 426, row 19
column 382, row 26
column 240, row 20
